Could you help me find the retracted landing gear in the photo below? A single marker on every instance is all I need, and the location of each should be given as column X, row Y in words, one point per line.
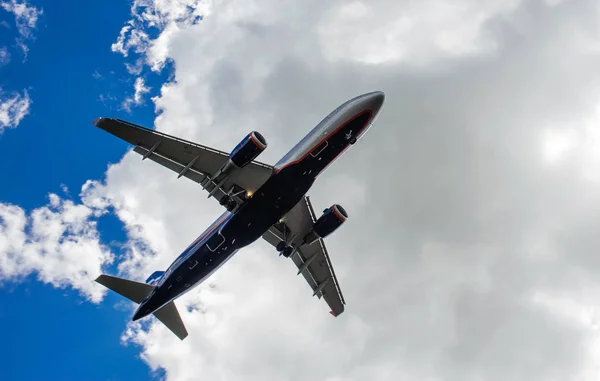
column 228, row 202
column 286, row 246
column 284, row 249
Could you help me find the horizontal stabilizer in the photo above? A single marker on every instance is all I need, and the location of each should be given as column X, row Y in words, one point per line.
column 134, row 291
column 169, row 316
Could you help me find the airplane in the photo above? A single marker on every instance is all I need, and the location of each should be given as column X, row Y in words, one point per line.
column 261, row 200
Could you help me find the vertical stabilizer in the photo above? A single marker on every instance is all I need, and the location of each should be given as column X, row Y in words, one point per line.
column 155, row 278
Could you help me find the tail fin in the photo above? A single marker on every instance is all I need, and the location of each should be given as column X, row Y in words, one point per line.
column 169, row 316
column 154, row 278
column 134, row 291
column 138, row 292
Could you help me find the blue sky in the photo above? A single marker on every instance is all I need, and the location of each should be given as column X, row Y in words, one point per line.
column 71, row 76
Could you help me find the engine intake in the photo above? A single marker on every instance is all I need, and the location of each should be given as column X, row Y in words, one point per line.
column 248, row 149
column 331, row 219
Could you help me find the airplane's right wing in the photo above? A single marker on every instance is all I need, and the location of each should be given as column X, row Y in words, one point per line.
column 194, row 161
column 312, row 260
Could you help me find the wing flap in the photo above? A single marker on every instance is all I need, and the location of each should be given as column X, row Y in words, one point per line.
column 311, row 260
column 320, row 276
column 191, row 174
column 273, row 236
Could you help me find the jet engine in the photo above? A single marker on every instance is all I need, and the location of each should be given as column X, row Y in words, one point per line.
column 248, row 149
column 331, row 219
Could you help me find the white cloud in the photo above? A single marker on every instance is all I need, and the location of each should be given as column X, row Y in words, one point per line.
column 130, row 38
column 26, row 18
column 15, row 106
column 458, row 223
column 57, row 242
column 13, row 109
column 137, row 99
column 577, row 145
column 410, row 32
column 4, row 56
column 168, row 17
column 135, row 68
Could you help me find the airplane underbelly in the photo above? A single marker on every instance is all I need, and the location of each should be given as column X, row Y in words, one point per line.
column 191, row 273
column 269, row 204
column 206, row 269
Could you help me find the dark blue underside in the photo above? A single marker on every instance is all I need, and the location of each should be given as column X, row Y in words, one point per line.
column 280, row 193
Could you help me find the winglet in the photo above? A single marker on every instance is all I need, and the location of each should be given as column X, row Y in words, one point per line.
column 95, row 122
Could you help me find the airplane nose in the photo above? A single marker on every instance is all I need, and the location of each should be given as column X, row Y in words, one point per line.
column 374, row 100
column 378, row 97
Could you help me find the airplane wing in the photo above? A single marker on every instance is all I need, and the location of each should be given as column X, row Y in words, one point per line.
column 200, row 164
column 194, row 161
column 311, row 260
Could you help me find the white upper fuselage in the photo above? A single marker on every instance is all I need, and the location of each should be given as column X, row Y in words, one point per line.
column 369, row 101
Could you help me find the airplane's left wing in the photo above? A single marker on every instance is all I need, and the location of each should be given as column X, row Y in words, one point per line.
column 194, row 161
column 312, row 260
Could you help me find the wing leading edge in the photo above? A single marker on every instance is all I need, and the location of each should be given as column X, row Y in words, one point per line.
column 194, row 161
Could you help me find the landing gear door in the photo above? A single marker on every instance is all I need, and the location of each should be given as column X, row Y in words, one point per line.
column 317, row 151
column 215, row 241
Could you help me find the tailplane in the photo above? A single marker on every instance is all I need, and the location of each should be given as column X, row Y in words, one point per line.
column 134, row 291
column 169, row 316
column 138, row 292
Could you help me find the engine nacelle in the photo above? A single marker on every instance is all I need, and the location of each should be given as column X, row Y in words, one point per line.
column 248, row 149
column 331, row 219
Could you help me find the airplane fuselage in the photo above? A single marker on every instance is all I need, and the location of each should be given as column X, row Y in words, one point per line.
column 291, row 179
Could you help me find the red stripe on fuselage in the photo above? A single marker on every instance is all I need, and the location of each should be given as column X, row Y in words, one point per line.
column 348, row 145
column 327, row 137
